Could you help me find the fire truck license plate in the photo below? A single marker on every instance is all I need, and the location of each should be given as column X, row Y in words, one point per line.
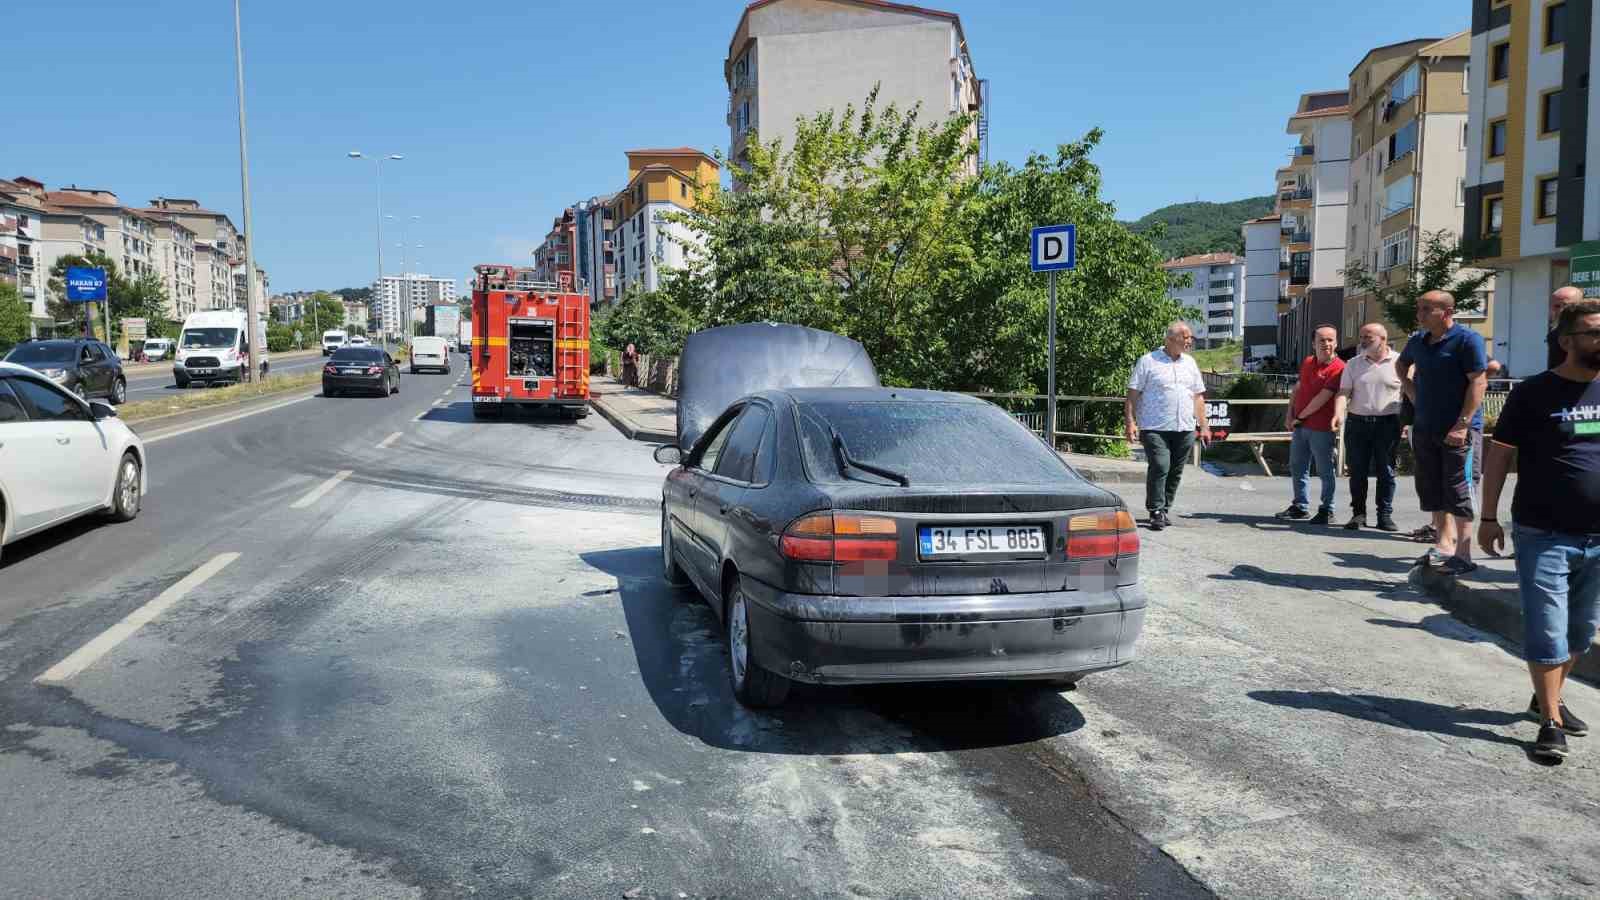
column 530, row 385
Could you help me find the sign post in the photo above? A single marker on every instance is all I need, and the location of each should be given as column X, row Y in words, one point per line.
column 1585, row 272
column 1053, row 248
column 87, row 284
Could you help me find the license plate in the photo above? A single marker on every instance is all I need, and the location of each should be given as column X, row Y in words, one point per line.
column 202, row 371
column 486, row 399
column 980, row 540
column 351, row 371
column 530, row 385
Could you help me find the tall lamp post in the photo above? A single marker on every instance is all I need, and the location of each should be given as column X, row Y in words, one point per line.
column 377, row 286
column 256, row 338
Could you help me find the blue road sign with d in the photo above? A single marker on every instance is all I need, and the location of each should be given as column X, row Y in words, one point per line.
column 85, row 284
column 1054, row 247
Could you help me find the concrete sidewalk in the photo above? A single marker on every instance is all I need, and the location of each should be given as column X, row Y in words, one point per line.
column 643, row 416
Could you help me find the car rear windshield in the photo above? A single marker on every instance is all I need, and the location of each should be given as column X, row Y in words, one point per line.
column 358, row 354
column 36, row 353
column 928, row 443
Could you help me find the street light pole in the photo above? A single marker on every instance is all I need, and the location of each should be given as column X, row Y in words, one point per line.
column 256, row 339
column 377, row 286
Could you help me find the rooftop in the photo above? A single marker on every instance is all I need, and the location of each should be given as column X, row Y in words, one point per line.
column 871, row 4
column 1203, row 259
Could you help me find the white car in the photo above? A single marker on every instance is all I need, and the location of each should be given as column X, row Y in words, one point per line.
column 357, row 340
column 62, row 457
column 430, row 353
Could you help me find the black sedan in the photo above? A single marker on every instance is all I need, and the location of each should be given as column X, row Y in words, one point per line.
column 869, row 534
column 367, row 370
column 85, row 367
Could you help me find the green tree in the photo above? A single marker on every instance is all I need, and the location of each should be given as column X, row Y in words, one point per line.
column 1444, row 263
column 323, row 312
column 15, row 317
column 143, row 297
column 280, row 337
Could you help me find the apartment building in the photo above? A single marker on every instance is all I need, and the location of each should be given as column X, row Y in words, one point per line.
column 213, row 277
column 402, row 299
column 1312, row 205
column 597, row 269
column 794, row 58
column 129, row 235
column 175, row 263
column 1212, row 285
column 217, row 284
column 1264, row 293
column 646, row 241
column 1409, row 159
column 556, row 257
column 21, row 216
column 1528, row 152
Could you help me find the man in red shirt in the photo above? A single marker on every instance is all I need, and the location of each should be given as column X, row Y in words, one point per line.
column 1311, row 419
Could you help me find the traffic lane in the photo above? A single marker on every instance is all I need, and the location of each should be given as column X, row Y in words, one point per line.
column 500, row 696
column 148, row 385
column 1303, row 722
column 205, row 485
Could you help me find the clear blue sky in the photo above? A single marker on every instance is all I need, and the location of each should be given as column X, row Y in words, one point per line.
column 506, row 112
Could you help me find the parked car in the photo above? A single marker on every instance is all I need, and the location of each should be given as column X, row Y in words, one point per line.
column 363, row 369
column 62, row 457
column 85, row 367
column 848, row 533
column 157, row 349
column 430, row 353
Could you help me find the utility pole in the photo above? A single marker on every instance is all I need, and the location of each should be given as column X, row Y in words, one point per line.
column 256, row 337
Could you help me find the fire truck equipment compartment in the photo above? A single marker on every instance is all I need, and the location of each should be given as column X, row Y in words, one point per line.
column 533, row 349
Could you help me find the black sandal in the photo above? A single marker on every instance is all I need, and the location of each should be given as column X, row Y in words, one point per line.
column 1425, row 535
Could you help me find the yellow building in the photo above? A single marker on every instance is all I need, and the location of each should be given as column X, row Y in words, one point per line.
column 660, row 181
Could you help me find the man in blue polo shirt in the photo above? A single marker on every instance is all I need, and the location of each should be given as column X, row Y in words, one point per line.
column 1442, row 371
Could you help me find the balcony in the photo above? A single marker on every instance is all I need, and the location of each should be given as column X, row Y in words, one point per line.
column 1220, row 292
column 1283, row 265
column 1300, row 237
column 1302, row 156
column 1299, row 279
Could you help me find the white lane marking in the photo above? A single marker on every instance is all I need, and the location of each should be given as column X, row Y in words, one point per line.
column 384, row 444
column 210, row 423
column 421, row 414
column 85, row 656
column 323, row 488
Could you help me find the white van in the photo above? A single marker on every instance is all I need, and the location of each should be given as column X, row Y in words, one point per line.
column 430, row 353
column 157, row 349
column 215, row 347
column 333, row 339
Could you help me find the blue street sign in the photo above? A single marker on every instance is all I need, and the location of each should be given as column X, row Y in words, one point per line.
column 1054, row 247
column 85, row 284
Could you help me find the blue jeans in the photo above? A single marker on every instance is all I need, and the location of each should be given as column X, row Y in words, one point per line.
column 1559, row 575
column 1308, row 443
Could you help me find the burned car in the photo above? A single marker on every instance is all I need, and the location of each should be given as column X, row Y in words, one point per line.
column 846, row 532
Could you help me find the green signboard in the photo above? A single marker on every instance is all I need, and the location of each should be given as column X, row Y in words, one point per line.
column 1586, row 268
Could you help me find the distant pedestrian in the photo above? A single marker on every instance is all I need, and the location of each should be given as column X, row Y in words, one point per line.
column 1165, row 407
column 1368, row 406
column 1442, row 370
column 1558, row 301
column 1552, row 423
column 630, row 366
column 1310, row 418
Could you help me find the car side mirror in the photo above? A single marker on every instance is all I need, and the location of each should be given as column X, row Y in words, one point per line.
column 102, row 410
column 669, row 455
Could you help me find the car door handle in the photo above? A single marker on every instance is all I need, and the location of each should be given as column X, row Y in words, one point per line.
column 63, row 440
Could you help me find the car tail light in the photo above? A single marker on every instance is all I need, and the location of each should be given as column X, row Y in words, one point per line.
column 329, row 369
column 374, row 370
column 841, row 537
column 1102, row 535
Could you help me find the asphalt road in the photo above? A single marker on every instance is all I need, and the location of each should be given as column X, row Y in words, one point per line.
column 150, row 383
column 402, row 652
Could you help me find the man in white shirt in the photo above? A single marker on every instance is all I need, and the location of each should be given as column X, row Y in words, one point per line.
column 1166, row 405
column 1368, row 406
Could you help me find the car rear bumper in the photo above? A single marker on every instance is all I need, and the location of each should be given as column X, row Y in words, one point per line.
column 859, row 640
column 354, row 382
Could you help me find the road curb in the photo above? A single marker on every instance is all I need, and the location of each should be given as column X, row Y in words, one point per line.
column 157, row 424
column 1493, row 609
column 630, row 429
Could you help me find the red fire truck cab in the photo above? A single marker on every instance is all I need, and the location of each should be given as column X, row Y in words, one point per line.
column 530, row 344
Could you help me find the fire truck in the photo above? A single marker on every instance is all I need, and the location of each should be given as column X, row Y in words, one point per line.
column 530, row 343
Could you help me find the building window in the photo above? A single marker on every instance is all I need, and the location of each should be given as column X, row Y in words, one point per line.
column 1466, row 78
column 1464, row 135
column 683, row 189
column 1405, row 87
column 1555, row 24
column 1461, row 192
column 1396, row 251
column 1497, row 139
column 1550, row 112
column 1549, row 189
column 1500, row 62
column 1403, row 142
column 1493, row 216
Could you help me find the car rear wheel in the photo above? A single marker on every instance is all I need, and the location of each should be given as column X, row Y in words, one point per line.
column 753, row 686
column 119, row 392
column 670, row 569
column 126, row 497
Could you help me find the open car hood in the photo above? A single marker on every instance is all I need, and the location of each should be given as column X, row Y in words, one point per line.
column 722, row 365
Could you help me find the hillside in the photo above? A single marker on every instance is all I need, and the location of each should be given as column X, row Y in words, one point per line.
column 1203, row 227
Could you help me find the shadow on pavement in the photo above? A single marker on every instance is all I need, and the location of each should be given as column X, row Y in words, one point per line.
column 1399, row 712
column 1439, row 625
column 460, row 413
column 1268, row 523
column 1386, row 590
column 38, row 543
column 682, row 655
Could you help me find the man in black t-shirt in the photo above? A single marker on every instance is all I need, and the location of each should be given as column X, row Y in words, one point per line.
column 1552, row 422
